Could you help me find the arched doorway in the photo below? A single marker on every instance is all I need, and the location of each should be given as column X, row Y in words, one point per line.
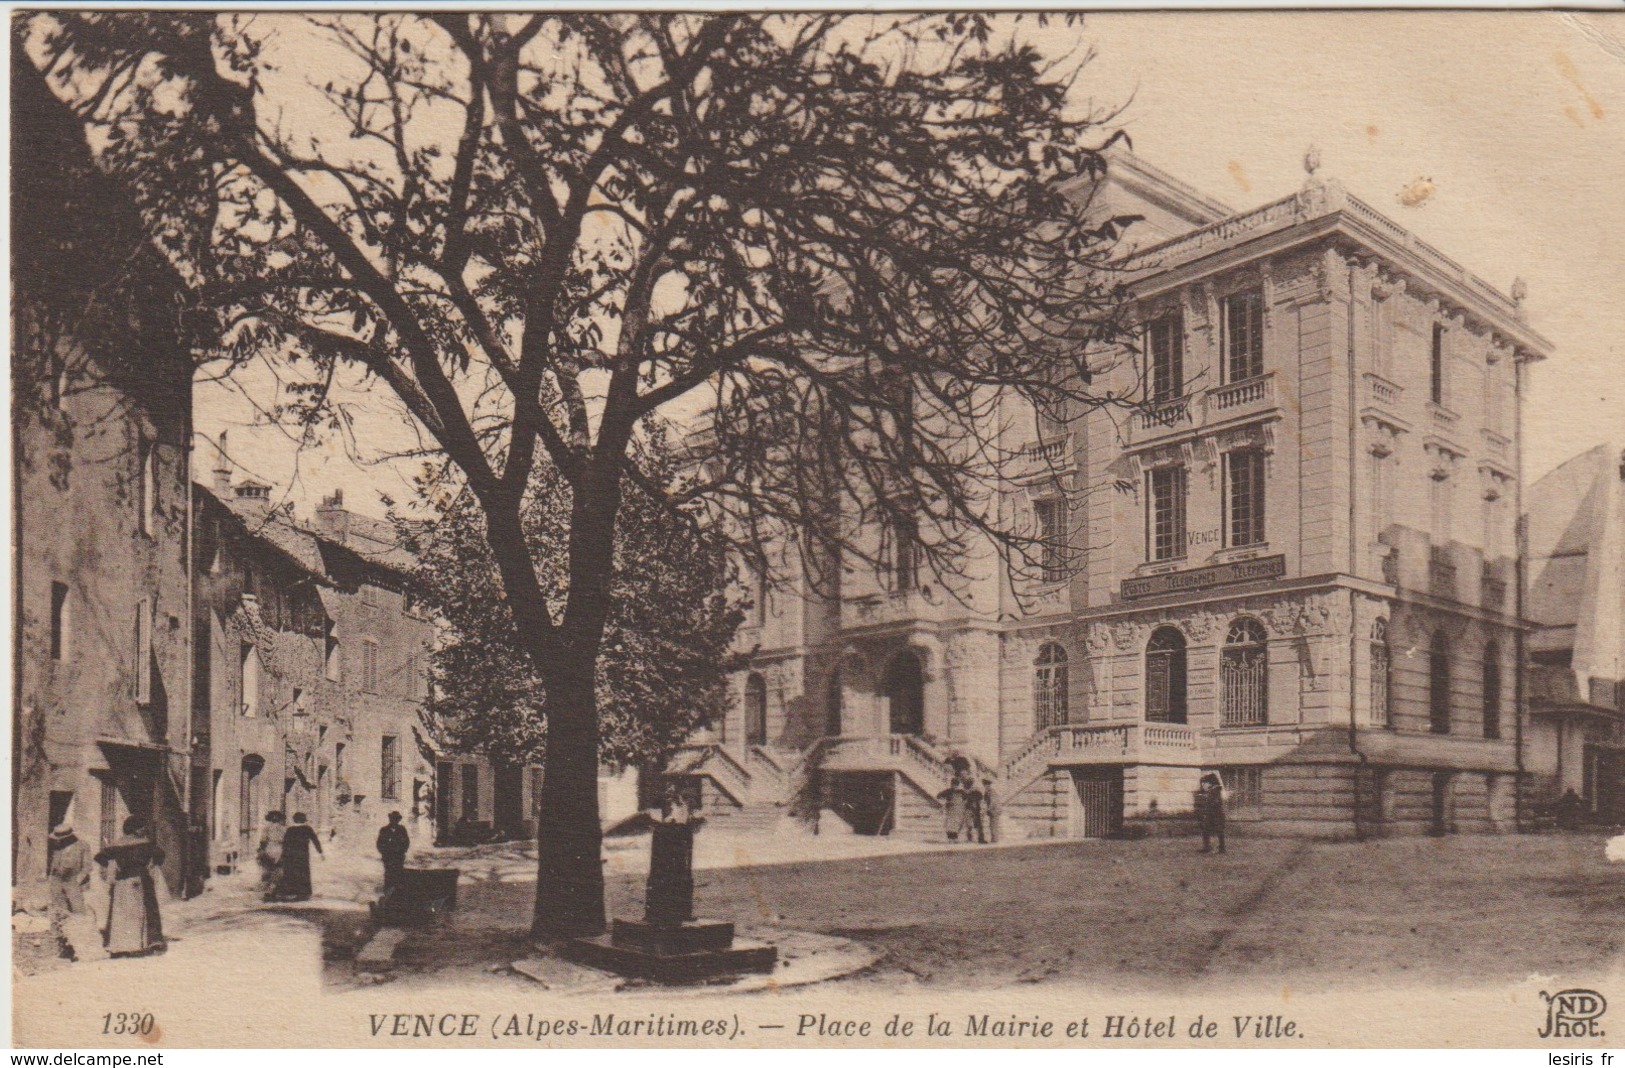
column 1165, row 676
column 905, row 694
column 755, row 710
column 249, row 801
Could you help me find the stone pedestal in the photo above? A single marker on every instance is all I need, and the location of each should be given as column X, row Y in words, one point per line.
column 668, row 945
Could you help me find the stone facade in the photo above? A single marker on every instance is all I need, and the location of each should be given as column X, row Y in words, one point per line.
column 1576, row 599
column 311, row 671
column 101, row 423
column 1290, row 558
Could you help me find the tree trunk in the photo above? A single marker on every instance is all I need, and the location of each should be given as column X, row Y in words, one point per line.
column 569, row 838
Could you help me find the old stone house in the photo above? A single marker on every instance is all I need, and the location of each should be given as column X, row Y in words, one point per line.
column 101, row 422
column 310, row 666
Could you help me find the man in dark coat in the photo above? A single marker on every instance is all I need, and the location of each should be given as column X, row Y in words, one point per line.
column 294, row 882
column 1210, row 811
column 393, row 842
column 974, row 799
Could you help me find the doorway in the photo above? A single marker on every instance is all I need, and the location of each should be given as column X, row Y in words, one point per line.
column 864, row 799
column 1441, row 822
column 905, row 694
column 509, row 814
column 1100, row 801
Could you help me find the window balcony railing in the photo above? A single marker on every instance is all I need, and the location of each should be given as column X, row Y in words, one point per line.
column 1443, row 418
column 1258, row 390
column 1047, row 452
column 1382, row 392
column 1164, row 415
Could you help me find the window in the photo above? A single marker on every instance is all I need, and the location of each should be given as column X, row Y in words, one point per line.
column 1244, row 497
column 1492, row 691
column 1051, row 517
column 1165, row 676
column 369, row 665
column 1244, row 674
column 1436, row 364
column 147, row 455
column 1049, row 687
column 758, row 609
column 251, row 680
column 1439, row 684
column 1244, row 335
column 755, row 710
column 901, row 551
column 1166, row 526
column 414, row 677
column 1053, row 418
column 338, row 760
column 143, row 652
column 471, row 792
column 1165, row 341
column 389, row 772
column 330, row 652
column 1380, row 662
column 109, row 811
column 1244, row 791
column 59, row 621
column 1380, row 491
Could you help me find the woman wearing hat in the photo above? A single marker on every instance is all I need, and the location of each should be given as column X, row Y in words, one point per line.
column 72, row 920
column 133, row 922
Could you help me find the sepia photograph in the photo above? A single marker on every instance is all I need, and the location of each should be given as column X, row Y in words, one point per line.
column 817, row 529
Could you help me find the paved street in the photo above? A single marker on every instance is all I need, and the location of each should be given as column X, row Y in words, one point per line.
column 1150, row 914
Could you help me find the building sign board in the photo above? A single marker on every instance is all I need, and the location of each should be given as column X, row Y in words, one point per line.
column 1201, row 578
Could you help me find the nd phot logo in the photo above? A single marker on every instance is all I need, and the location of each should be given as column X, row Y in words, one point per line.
column 1573, row 1014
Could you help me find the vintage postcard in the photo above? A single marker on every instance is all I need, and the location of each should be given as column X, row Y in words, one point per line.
column 937, row 529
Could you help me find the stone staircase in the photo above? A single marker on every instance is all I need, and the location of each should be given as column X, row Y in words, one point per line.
column 755, row 788
column 742, row 791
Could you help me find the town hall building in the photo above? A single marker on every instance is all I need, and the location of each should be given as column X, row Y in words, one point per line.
column 1292, row 561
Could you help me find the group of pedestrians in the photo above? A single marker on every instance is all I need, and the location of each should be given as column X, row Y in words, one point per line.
column 967, row 809
column 105, row 904
column 284, row 857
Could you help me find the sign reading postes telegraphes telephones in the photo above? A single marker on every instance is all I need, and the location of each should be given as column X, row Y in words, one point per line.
column 1201, row 578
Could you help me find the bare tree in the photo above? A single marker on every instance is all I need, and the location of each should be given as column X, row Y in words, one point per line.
column 844, row 242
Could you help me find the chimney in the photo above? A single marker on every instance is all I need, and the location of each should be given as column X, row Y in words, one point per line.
column 331, row 518
column 252, row 500
column 222, row 470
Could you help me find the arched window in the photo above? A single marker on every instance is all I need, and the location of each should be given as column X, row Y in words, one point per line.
column 1379, row 674
column 1165, row 676
column 1492, row 691
column 905, row 694
column 1244, row 672
column 755, row 710
column 1049, row 687
column 1439, row 684
column 837, row 697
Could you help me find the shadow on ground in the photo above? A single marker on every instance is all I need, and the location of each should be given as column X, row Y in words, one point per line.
column 1153, row 914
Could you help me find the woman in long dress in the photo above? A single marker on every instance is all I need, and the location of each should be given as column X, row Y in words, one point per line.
column 73, row 895
column 133, row 922
column 294, row 885
column 269, row 854
column 953, row 808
